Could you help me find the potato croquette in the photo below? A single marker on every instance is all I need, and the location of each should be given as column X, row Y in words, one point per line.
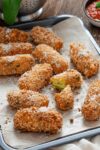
column 36, row 78
column 91, row 106
column 91, row 111
column 70, row 77
column 15, row 48
column 13, row 35
column 65, row 99
column 83, row 60
column 41, row 35
column 38, row 120
column 46, row 54
column 16, row 65
column 26, row 98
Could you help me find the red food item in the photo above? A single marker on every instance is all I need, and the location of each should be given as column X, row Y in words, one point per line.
column 92, row 11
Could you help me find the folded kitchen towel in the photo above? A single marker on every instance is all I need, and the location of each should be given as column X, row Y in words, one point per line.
column 83, row 144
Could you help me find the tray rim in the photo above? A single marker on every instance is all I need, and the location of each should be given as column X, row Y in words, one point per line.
column 50, row 21
column 75, row 136
column 88, row 133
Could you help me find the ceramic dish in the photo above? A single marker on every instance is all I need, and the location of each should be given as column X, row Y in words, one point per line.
column 90, row 19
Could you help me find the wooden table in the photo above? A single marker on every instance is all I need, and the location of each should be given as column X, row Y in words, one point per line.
column 73, row 7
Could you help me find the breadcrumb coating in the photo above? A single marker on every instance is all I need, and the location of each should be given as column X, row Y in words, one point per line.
column 70, row 77
column 46, row 54
column 83, row 60
column 65, row 99
column 38, row 120
column 91, row 106
column 41, row 35
column 12, row 35
column 16, row 65
column 94, row 91
column 36, row 78
column 15, row 48
column 91, row 111
column 26, row 98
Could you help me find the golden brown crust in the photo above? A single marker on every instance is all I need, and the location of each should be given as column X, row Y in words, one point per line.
column 91, row 106
column 36, row 78
column 41, row 35
column 83, row 60
column 38, row 120
column 15, row 48
column 26, row 98
column 65, row 99
column 94, row 91
column 46, row 54
column 12, row 35
column 17, row 64
column 70, row 77
column 91, row 111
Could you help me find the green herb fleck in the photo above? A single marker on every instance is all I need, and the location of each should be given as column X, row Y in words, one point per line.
column 59, row 84
column 98, row 5
column 10, row 10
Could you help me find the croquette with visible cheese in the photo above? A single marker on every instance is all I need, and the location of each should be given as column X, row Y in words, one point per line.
column 65, row 99
column 71, row 77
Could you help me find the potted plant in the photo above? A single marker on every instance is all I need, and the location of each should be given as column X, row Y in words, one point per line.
column 28, row 9
column 11, row 8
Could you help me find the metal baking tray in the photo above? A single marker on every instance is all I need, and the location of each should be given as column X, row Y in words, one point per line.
column 52, row 21
column 65, row 139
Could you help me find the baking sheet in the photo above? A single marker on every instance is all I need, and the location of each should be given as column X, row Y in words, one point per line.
column 70, row 30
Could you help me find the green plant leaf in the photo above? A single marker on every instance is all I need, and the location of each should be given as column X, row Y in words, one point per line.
column 98, row 5
column 10, row 10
